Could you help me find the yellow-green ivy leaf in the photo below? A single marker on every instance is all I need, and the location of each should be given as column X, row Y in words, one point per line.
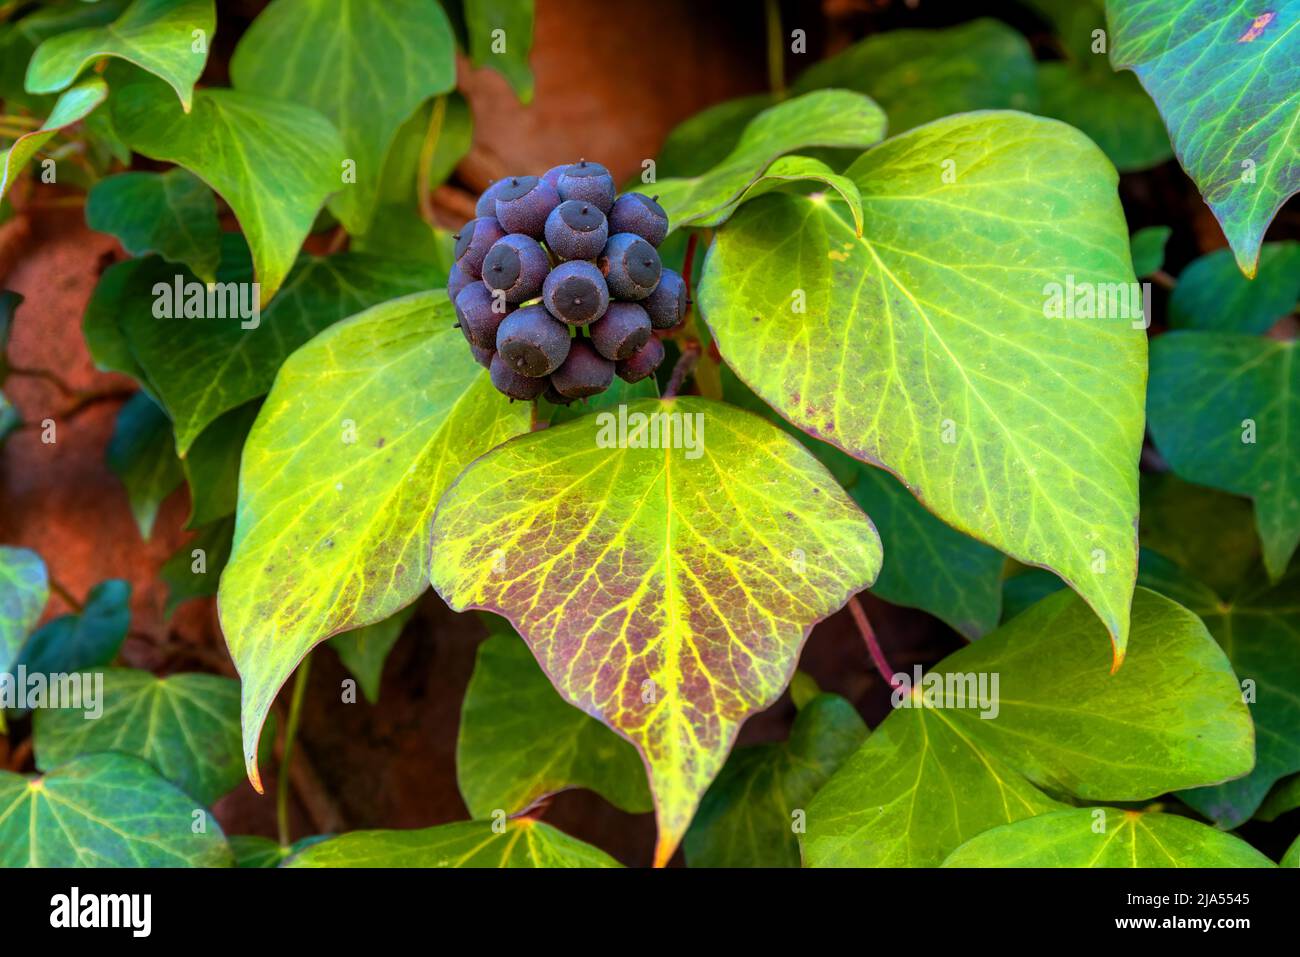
column 73, row 106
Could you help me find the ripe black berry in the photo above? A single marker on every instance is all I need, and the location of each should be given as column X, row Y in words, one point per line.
column 487, row 201
column 585, row 372
column 630, row 265
column 477, row 316
column 552, row 176
column 576, row 293
column 589, row 182
column 482, row 356
column 516, row 265
column 576, row 230
column 621, row 331
column 524, row 203
column 641, row 215
column 457, row 280
column 532, row 341
column 643, row 362
column 473, row 242
column 510, row 382
column 667, row 304
column 553, row 397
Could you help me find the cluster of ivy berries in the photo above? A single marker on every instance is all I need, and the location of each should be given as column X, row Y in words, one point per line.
column 558, row 285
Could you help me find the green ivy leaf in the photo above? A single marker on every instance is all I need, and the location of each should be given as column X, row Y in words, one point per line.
column 253, row 851
column 365, row 427
column 212, row 465
column 168, row 38
column 713, row 565
column 1292, row 856
column 619, row 393
column 88, row 639
column 1283, row 798
column 365, row 67
column 19, row 39
column 1212, row 293
column 703, row 141
column 365, row 650
column 920, row 75
column 185, row 725
column 790, row 170
column 747, row 817
column 1106, row 837
column 507, row 51
column 831, row 118
column 273, row 162
column 24, row 590
column 1224, row 78
column 930, row 778
column 519, row 843
column 936, row 360
column 1224, row 410
column 123, row 287
column 103, row 810
column 1199, row 528
column 173, row 214
column 1148, row 248
column 194, row 570
column 520, row 741
column 142, row 453
column 73, row 106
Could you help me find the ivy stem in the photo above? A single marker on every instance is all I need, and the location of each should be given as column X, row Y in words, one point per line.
column 66, row 596
column 1163, row 279
column 290, row 733
column 13, row 119
column 430, row 145
column 775, row 50
column 685, row 363
column 873, row 644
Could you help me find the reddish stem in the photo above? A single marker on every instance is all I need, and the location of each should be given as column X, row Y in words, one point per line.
column 873, row 645
column 688, row 267
column 685, row 363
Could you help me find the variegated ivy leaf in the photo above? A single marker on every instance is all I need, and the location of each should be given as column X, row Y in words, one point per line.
column 73, row 106
column 169, row 38
column 982, row 339
column 665, row 564
column 826, row 118
column 1226, row 78
column 1106, row 837
column 365, row 427
column 365, row 66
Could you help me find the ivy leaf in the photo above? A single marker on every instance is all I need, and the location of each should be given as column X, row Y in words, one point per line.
column 365, row 650
column 212, row 465
column 1224, row 410
column 746, row 819
column 930, row 778
column 619, row 393
column 205, row 368
column 24, row 590
column 1283, row 798
column 365, row 427
column 365, row 67
column 1212, row 293
column 702, row 141
column 73, row 106
column 520, row 741
column 124, row 286
column 1106, row 837
column 142, row 454
column 713, row 565
column 103, row 810
column 20, row 37
column 173, row 214
column 194, row 570
column 251, row 850
column 933, row 359
column 1199, row 528
column 506, row 51
column 1292, row 856
column 1224, row 78
column 519, row 843
column 273, row 162
column 920, row 75
column 88, row 639
column 832, row 118
column 185, row 725
column 168, row 38
column 9, row 303
column 1148, row 247
column 789, row 170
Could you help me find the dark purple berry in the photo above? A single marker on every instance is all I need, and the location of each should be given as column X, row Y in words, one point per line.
column 635, row 213
column 576, row 293
column 621, row 331
column 532, row 341
column 524, row 203
column 630, row 266
column 643, row 362
column 517, row 265
column 511, row 383
column 553, row 397
column 585, row 372
column 487, row 202
column 473, row 242
column 482, row 356
column 457, row 280
column 576, row 230
column 552, row 176
column 479, row 316
column 589, row 182
column 667, row 304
